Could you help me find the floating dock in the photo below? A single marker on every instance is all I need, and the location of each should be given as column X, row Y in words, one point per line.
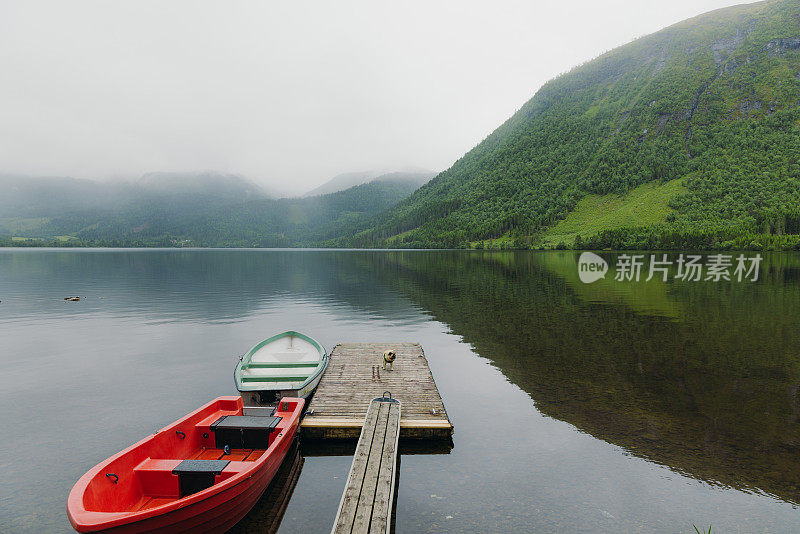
column 366, row 504
column 356, row 375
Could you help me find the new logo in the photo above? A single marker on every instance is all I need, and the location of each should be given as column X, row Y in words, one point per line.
column 591, row 267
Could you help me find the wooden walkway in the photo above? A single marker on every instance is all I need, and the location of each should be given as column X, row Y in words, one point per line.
column 355, row 375
column 366, row 504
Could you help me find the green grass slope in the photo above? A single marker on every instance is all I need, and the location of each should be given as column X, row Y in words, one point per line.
column 645, row 205
column 713, row 101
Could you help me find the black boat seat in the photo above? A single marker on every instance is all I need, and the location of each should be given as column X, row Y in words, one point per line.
column 244, row 431
column 200, row 466
column 197, row 475
column 260, row 411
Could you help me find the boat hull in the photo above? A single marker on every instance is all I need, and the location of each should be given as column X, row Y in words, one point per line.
column 215, row 509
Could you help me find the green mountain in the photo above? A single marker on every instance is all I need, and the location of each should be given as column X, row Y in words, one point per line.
column 167, row 209
column 294, row 222
column 687, row 138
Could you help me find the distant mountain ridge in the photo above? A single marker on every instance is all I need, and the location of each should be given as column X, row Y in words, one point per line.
column 222, row 185
column 293, row 222
column 347, row 180
column 201, row 209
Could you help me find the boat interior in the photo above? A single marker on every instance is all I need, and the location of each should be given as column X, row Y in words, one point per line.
column 284, row 360
column 207, row 447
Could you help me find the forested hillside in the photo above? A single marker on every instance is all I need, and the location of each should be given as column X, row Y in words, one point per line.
column 293, row 222
column 206, row 209
column 713, row 102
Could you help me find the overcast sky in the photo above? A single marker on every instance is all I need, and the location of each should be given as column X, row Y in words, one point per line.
column 288, row 93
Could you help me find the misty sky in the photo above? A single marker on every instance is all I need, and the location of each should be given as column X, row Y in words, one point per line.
column 287, row 93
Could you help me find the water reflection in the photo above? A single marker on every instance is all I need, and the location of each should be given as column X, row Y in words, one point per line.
column 268, row 512
column 699, row 377
column 174, row 285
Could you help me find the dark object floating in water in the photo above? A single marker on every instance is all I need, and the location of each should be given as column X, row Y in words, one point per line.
column 72, row 299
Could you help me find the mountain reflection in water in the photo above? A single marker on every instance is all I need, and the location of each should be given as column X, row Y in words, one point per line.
column 702, row 377
column 698, row 377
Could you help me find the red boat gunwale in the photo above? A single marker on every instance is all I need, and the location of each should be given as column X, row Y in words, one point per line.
column 144, row 471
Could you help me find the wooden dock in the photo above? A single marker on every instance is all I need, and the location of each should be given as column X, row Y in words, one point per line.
column 366, row 504
column 355, row 375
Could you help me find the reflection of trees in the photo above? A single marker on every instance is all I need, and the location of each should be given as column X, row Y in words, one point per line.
column 713, row 393
column 703, row 378
column 267, row 514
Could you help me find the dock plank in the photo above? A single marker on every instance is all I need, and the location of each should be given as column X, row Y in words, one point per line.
column 352, row 492
column 355, row 375
column 366, row 502
column 384, row 490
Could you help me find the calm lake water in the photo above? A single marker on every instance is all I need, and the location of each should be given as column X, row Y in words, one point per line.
column 610, row 407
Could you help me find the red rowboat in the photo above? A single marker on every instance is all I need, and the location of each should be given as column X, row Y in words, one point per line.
column 202, row 473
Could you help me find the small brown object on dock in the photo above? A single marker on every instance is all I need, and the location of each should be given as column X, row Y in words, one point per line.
column 366, row 504
column 388, row 358
column 355, row 376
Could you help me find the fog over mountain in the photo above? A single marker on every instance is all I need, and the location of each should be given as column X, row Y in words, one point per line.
column 184, row 209
column 286, row 94
column 346, row 180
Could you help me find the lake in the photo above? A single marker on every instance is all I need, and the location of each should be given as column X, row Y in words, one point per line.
column 615, row 406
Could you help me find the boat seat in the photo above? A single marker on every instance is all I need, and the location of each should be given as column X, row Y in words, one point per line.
column 259, row 411
column 244, row 431
column 197, row 475
column 156, row 478
column 250, row 376
column 280, row 365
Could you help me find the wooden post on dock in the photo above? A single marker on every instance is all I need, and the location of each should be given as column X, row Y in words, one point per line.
column 366, row 504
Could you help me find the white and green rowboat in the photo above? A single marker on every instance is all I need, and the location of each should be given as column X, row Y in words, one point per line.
column 286, row 365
